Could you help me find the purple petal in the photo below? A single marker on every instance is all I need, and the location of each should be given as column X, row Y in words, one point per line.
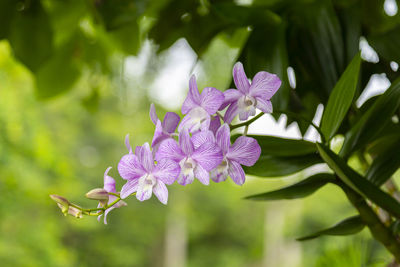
column 202, row 137
column 106, row 213
column 185, row 142
column 167, row 171
column 231, row 112
column 217, row 176
column 215, row 123
column 223, row 136
column 244, row 114
column 202, row 175
column 264, row 85
column 129, row 167
column 240, row 78
column 171, row 121
column 169, row 149
column 230, row 96
column 137, row 150
column 146, row 157
column 195, row 120
column 130, row 187
column 208, row 155
column 144, row 191
column 159, row 135
column 193, row 98
column 264, row 105
column 161, row 192
column 127, row 144
column 211, row 99
column 109, row 182
column 185, row 179
column 236, row 172
column 245, row 151
column 153, row 114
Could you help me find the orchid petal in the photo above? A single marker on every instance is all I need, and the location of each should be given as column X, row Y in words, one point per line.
column 193, row 98
column 130, row 187
column 230, row 96
column 146, row 157
column 245, row 151
column 144, row 190
column 130, row 167
column 231, row 112
column 169, row 149
column 223, row 138
column 208, row 155
column 217, row 176
column 202, row 175
column 215, row 123
column 185, row 179
column 171, row 121
column 240, row 78
column 153, row 114
column 264, row 105
column 211, row 99
column 264, row 85
column 236, row 173
column 109, row 182
column 202, row 137
column 159, row 135
column 185, row 142
column 161, row 192
column 244, row 114
column 127, row 144
column 167, row 171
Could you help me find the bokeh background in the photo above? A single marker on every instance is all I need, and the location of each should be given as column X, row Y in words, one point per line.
column 63, row 122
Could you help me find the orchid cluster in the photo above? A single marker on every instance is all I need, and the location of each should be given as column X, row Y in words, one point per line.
column 196, row 147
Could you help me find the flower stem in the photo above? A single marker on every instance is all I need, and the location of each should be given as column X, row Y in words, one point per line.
column 246, row 123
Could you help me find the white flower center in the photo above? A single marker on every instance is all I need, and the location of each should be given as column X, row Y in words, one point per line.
column 197, row 117
column 187, row 166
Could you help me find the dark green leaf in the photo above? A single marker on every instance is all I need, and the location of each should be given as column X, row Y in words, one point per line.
column 277, row 146
column 273, row 166
column 59, row 74
column 348, row 226
column 8, row 9
column 31, row 35
column 341, row 98
column 373, row 121
column 298, row 190
column 359, row 183
column 385, row 164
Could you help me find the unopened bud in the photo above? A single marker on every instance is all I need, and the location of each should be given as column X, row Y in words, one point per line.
column 62, row 203
column 75, row 212
column 98, row 194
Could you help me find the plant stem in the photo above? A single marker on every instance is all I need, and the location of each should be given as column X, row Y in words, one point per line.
column 378, row 230
column 246, row 123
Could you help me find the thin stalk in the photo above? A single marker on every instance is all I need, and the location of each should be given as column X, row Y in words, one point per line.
column 246, row 123
column 378, row 230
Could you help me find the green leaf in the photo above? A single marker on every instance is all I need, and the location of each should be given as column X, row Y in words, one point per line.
column 348, row 226
column 31, row 36
column 8, row 10
column 385, row 165
column 273, row 166
column 298, row 190
column 373, row 121
column 359, row 183
column 341, row 98
column 277, row 146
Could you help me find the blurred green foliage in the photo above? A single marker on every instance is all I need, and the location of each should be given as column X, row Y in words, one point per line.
column 65, row 107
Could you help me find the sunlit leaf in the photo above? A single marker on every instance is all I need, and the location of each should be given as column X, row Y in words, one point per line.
column 373, row 121
column 297, row 190
column 341, row 98
column 348, row 226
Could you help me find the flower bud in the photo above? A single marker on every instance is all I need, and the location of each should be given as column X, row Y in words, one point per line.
column 75, row 212
column 62, row 203
column 98, row 194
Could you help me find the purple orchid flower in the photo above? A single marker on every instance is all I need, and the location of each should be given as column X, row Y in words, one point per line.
column 196, row 157
column 247, row 98
column 144, row 177
column 199, row 107
column 109, row 186
column 245, row 151
column 164, row 129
